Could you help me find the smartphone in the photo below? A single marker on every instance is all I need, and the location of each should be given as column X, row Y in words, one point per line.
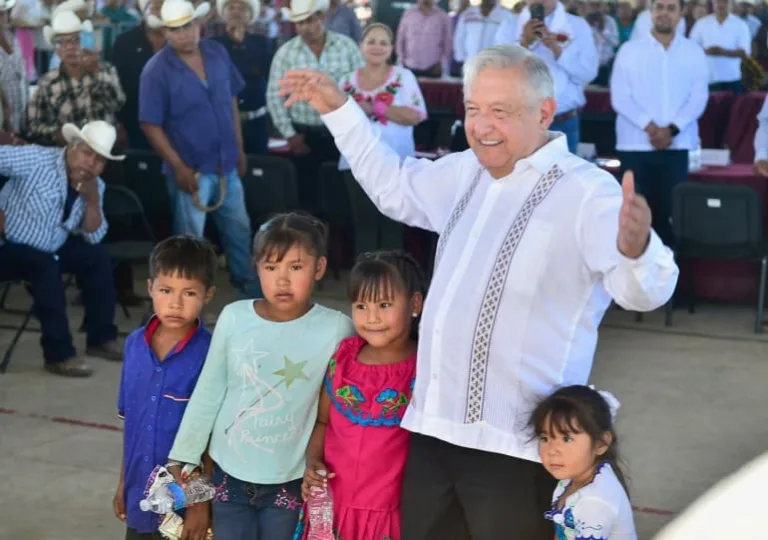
column 88, row 40
column 537, row 11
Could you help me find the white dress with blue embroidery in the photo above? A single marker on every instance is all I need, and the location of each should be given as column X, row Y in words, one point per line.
column 599, row 511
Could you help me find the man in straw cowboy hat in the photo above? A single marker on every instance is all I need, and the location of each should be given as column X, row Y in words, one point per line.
column 317, row 48
column 189, row 112
column 53, row 224
column 81, row 90
column 252, row 55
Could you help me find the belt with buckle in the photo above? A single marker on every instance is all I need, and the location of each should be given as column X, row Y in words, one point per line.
column 246, row 116
column 564, row 117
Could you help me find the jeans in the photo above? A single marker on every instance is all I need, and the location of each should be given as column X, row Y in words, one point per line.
column 245, row 511
column 572, row 132
column 92, row 269
column 231, row 220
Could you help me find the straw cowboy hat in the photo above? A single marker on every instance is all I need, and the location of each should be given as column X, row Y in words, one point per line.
column 302, row 10
column 178, row 13
column 99, row 135
column 76, row 6
column 7, row 5
column 65, row 22
column 253, row 5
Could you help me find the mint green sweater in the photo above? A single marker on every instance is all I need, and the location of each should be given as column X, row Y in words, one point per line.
column 257, row 394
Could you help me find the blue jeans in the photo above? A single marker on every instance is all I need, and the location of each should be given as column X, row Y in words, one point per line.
column 572, row 132
column 245, row 511
column 231, row 220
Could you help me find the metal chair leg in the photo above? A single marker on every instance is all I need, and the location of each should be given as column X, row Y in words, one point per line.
column 638, row 317
column 125, row 310
column 4, row 296
column 14, row 341
column 691, row 287
column 761, row 295
column 669, row 309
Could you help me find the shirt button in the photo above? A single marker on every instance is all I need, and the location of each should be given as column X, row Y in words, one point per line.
column 158, row 369
column 149, row 428
column 146, row 458
column 154, row 398
column 434, row 376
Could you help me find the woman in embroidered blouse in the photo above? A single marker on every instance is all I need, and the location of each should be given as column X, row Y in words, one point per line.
column 578, row 446
column 357, row 439
column 13, row 74
column 391, row 98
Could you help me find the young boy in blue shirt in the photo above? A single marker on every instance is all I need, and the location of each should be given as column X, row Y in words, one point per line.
column 162, row 362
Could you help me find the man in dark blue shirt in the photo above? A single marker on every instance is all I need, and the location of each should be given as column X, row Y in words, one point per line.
column 162, row 362
column 189, row 112
column 252, row 55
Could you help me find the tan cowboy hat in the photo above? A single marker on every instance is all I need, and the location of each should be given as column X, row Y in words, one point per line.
column 253, row 5
column 302, row 10
column 65, row 22
column 99, row 135
column 178, row 13
column 7, row 5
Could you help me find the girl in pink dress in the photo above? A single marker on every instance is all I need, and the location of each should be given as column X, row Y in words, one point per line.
column 357, row 439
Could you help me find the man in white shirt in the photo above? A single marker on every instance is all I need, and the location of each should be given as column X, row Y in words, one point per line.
column 566, row 45
column 744, row 9
column 534, row 244
column 726, row 40
column 761, row 141
column 476, row 28
column 606, row 35
column 644, row 25
column 659, row 91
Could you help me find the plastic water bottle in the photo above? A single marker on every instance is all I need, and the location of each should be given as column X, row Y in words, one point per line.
column 320, row 509
column 171, row 497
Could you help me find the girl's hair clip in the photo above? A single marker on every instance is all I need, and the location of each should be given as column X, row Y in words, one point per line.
column 613, row 404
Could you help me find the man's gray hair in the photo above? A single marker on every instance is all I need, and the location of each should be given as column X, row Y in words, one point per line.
column 536, row 72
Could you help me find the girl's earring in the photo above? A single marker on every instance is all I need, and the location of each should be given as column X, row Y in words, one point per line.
column 415, row 314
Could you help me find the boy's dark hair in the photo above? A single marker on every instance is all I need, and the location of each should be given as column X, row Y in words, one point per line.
column 380, row 274
column 581, row 407
column 284, row 231
column 185, row 256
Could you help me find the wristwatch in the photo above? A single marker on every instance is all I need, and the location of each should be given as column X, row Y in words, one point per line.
column 674, row 130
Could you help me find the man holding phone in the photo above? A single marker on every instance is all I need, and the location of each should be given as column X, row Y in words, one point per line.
column 82, row 89
column 565, row 43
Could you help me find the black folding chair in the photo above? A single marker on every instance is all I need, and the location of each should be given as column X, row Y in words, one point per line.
column 18, row 330
column 143, row 174
column 129, row 238
column 719, row 222
column 270, row 187
column 336, row 211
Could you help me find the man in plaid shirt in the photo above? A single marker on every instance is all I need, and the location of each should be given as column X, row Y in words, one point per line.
column 82, row 89
column 313, row 48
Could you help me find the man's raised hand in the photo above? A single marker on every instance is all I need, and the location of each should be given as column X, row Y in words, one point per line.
column 634, row 220
column 317, row 89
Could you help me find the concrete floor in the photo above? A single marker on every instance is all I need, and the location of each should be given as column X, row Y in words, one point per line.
column 693, row 410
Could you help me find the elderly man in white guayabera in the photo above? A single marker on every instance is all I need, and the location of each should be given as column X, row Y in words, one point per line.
column 534, row 244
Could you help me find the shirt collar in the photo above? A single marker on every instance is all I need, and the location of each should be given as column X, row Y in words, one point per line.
column 548, row 155
column 154, row 323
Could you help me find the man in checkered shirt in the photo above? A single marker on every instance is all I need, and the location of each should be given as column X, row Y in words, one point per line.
column 51, row 223
column 313, row 48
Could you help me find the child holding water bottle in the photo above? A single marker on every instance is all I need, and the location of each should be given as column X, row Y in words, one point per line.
column 257, row 396
column 357, row 447
column 578, row 446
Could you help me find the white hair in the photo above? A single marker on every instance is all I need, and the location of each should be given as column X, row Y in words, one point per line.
column 536, row 72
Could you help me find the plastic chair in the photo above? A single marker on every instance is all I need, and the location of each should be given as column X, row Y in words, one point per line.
column 270, row 187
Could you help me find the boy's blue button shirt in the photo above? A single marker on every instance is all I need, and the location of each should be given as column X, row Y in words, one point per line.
column 152, row 399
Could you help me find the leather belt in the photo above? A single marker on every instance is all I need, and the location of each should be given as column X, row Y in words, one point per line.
column 245, row 116
column 564, row 117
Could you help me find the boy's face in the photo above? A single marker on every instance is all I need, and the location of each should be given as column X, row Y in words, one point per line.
column 178, row 301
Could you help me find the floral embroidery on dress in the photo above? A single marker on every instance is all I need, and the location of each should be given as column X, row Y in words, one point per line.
column 391, row 401
column 332, row 367
column 351, row 396
column 386, row 96
column 566, row 526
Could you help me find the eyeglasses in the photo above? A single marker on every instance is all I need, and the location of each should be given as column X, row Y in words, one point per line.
column 68, row 42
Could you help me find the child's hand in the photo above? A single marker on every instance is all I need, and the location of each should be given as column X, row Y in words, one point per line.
column 118, row 503
column 313, row 479
column 196, row 522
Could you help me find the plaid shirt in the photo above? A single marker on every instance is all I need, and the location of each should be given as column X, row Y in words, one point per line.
column 340, row 56
column 33, row 199
column 60, row 99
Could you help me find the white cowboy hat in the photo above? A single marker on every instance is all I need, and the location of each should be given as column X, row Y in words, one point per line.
column 178, row 13
column 65, row 22
column 302, row 10
column 7, row 5
column 253, row 5
column 76, row 6
column 99, row 135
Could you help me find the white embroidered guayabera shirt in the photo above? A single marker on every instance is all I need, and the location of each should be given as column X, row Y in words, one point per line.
column 525, row 268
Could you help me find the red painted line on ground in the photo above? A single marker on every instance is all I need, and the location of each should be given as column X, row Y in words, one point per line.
column 110, row 427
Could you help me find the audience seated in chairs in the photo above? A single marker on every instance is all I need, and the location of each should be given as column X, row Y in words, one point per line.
column 53, row 224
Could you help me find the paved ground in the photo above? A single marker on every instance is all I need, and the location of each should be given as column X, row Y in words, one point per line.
column 693, row 411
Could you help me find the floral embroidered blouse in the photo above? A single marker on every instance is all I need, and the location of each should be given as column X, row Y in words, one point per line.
column 599, row 511
column 401, row 89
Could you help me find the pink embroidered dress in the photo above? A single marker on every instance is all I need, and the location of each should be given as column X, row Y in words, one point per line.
column 364, row 444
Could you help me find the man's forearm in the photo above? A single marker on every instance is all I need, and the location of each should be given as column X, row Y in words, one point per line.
column 93, row 218
column 159, row 141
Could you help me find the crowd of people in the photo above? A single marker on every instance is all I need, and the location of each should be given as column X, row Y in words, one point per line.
column 423, row 402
